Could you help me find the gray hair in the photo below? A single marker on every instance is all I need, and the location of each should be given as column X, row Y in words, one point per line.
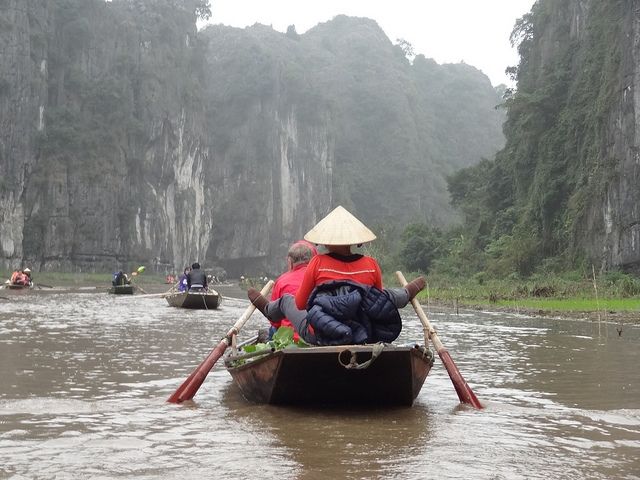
column 300, row 253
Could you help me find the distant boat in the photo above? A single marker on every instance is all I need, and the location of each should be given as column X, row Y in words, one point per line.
column 13, row 286
column 17, row 286
column 122, row 289
column 338, row 375
column 206, row 300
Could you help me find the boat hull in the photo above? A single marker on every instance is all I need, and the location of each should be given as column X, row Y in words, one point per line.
column 12, row 286
column 122, row 290
column 198, row 300
column 317, row 375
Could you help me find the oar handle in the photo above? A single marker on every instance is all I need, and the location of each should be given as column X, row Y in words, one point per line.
column 429, row 331
column 249, row 311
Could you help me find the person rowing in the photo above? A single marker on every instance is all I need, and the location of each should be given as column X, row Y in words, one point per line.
column 341, row 299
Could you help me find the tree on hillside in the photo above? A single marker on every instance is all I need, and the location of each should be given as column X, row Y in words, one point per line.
column 406, row 48
column 421, row 245
column 203, row 10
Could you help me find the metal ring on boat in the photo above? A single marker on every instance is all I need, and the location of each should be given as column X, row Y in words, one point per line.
column 353, row 361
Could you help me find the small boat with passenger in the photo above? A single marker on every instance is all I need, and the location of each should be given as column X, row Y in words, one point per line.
column 200, row 299
column 20, row 280
column 347, row 324
column 13, row 286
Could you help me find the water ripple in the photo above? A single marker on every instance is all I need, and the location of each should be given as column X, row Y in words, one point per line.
column 86, row 377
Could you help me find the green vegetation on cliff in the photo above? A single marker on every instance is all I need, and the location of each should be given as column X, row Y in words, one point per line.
column 528, row 209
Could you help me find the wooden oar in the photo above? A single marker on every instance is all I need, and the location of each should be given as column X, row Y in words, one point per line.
column 151, row 295
column 465, row 394
column 171, row 291
column 190, row 386
column 135, row 273
column 204, row 299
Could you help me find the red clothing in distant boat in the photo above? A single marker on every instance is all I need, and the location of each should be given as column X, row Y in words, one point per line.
column 288, row 282
column 19, row 278
column 331, row 266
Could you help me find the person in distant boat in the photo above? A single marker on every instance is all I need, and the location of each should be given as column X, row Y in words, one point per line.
column 183, row 285
column 19, row 277
column 27, row 272
column 298, row 257
column 196, row 278
column 341, row 295
column 120, row 278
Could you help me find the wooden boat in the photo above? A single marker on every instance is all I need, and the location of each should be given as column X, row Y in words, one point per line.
column 378, row 374
column 13, row 286
column 122, row 289
column 207, row 300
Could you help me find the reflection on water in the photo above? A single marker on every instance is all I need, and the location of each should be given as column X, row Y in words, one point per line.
column 85, row 377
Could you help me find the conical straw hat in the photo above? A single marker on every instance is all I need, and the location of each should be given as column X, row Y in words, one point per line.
column 339, row 228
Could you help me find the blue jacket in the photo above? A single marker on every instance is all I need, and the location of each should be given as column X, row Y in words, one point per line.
column 182, row 283
column 343, row 312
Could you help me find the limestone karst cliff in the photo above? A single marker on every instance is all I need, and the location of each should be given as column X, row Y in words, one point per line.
column 130, row 137
column 563, row 193
column 23, row 97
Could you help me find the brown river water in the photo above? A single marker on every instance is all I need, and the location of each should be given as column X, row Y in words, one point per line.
column 84, row 378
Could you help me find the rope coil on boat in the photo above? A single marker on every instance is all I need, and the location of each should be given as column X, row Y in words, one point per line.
column 376, row 350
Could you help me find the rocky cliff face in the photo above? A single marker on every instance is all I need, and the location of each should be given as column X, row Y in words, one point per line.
column 23, row 97
column 106, row 151
column 571, row 158
column 128, row 137
column 607, row 38
column 613, row 228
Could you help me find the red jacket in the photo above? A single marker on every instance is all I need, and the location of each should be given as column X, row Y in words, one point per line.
column 325, row 268
column 288, row 282
column 19, row 278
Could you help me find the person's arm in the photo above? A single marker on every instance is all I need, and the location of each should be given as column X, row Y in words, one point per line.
column 378, row 275
column 307, row 285
column 276, row 292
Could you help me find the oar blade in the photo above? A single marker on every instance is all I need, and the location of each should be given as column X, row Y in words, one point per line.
column 190, row 386
column 465, row 394
column 175, row 397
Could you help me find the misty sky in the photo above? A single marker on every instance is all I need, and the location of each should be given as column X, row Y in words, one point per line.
column 449, row 31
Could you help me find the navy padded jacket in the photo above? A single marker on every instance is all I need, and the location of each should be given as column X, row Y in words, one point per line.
column 343, row 313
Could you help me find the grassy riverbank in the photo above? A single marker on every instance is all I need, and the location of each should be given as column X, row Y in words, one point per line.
column 69, row 279
column 612, row 296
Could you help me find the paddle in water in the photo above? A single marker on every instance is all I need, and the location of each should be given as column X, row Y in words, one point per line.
column 465, row 394
column 190, row 386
